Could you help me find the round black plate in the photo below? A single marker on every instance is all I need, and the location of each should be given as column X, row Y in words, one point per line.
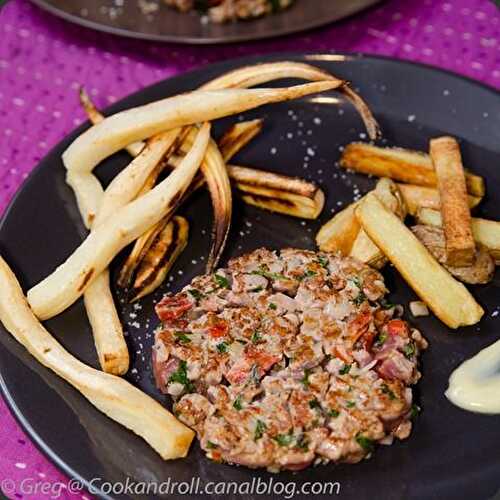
column 168, row 25
column 451, row 453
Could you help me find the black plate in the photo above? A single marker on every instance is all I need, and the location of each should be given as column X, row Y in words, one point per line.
column 168, row 25
column 451, row 453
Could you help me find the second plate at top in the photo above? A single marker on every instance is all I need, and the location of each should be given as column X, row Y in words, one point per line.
column 168, row 25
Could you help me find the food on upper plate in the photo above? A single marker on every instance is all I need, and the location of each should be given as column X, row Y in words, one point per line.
column 284, row 359
column 222, row 11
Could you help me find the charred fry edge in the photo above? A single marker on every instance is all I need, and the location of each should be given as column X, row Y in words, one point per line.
column 447, row 160
column 166, row 248
column 402, row 165
column 238, row 136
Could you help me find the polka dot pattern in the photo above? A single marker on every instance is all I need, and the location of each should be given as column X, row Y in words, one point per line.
column 44, row 60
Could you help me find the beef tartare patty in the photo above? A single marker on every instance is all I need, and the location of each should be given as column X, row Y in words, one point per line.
column 285, row 359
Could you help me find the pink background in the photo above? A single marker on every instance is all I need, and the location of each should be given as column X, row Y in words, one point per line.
column 43, row 61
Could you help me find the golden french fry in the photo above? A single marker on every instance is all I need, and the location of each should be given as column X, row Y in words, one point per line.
column 161, row 256
column 340, row 232
column 363, row 248
column 486, row 232
column 417, row 197
column 450, row 301
column 110, row 394
column 70, row 280
column 402, row 165
column 454, row 207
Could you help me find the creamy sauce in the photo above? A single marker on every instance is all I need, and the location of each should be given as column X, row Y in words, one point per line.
column 475, row 384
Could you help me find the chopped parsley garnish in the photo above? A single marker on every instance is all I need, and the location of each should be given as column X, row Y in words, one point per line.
column 409, row 350
column 415, row 410
column 284, row 439
column 350, row 404
column 222, row 347
column 345, row 369
column 360, row 298
column 196, row 294
column 211, row 445
column 180, row 376
column 260, row 428
column 386, row 390
column 302, row 443
column 365, row 443
column 356, row 281
column 323, row 261
column 305, row 378
column 385, row 304
column 380, row 340
column 333, row 413
column 309, row 273
column 182, row 337
column 273, row 306
column 256, row 337
column 314, row 403
column 257, row 289
column 269, row 275
column 237, row 403
column 221, row 281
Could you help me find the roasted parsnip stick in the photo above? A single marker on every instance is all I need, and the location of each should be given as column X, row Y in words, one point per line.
column 112, row 395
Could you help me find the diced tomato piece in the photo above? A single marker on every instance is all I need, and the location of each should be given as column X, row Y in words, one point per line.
column 219, row 329
column 397, row 327
column 172, row 308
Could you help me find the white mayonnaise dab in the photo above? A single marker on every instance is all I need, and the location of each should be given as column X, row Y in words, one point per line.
column 475, row 384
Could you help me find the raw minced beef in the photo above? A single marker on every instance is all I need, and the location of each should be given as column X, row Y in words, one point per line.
column 286, row 359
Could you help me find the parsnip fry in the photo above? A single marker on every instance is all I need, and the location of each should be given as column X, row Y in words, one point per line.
column 121, row 129
column 70, row 280
column 258, row 74
column 340, row 232
column 460, row 246
column 163, row 253
column 112, row 395
column 402, row 165
column 417, row 197
column 486, row 232
column 95, row 116
column 450, row 301
column 237, row 137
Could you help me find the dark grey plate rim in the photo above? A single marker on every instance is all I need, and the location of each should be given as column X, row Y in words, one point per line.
column 50, row 454
column 104, row 28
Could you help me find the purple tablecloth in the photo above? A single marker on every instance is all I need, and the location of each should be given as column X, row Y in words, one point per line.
column 43, row 61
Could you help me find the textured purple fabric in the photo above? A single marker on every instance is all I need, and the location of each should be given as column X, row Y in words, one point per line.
column 43, row 60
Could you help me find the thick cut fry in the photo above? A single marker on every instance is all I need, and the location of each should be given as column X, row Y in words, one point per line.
column 121, row 129
column 70, row 280
column 363, row 248
column 450, row 301
column 460, row 246
column 417, row 197
column 237, row 137
column 340, row 232
column 161, row 256
column 486, row 232
column 402, row 165
column 112, row 395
